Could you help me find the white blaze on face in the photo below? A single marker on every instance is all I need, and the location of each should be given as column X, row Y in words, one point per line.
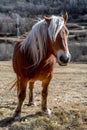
column 66, row 56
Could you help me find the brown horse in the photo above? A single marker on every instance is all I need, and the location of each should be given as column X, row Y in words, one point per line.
column 35, row 57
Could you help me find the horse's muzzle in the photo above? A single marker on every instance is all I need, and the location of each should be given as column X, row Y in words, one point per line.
column 64, row 58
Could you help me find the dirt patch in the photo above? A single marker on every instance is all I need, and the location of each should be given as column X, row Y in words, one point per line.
column 67, row 100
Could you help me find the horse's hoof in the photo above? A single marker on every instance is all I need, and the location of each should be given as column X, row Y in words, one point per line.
column 31, row 104
column 17, row 117
column 47, row 112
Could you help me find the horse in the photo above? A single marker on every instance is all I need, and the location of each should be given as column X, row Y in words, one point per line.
column 35, row 57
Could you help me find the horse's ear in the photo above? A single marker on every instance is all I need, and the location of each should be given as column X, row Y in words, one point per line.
column 65, row 16
column 47, row 20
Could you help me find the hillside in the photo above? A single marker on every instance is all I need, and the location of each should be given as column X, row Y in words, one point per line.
column 18, row 16
column 34, row 7
column 19, row 12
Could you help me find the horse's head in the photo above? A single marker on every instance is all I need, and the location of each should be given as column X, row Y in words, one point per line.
column 58, row 34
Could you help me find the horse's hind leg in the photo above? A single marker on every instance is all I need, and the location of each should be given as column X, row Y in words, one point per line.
column 45, row 84
column 21, row 92
column 31, row 86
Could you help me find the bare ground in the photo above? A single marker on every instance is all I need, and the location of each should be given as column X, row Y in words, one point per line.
column 67, row 99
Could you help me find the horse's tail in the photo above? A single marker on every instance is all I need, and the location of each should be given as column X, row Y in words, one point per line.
column 14, row 84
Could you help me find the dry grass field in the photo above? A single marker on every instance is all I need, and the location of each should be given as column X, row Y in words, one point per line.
column 67, row 100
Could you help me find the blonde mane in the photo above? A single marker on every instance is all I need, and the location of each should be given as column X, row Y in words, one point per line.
column 36, row 41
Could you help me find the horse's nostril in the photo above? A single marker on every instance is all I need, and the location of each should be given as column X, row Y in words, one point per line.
column 64, row 60
column 61, row 58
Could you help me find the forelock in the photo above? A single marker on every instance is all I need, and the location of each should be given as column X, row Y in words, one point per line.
column 55, row 26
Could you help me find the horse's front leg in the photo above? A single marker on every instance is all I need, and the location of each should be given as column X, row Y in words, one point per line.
column 45, row 84
column 21, row 93
column 31, row 86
